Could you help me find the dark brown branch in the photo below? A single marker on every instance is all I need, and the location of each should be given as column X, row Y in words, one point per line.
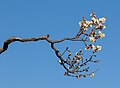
column 71, row 39
column 60, row 57
column 14, row 39
column 89, row 60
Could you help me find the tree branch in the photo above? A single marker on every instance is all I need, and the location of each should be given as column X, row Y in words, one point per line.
column 14, row 39
column 72, row 65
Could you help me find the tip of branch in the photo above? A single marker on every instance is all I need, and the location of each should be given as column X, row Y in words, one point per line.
column 48, row 35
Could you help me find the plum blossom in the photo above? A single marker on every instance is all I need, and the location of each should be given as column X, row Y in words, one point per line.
column 83, row 25
column 87, row 47
column 104, row 26
column 92, row 39
column 92, row 74
column 98, row 47
column 100, row 34
column 93, row 48
column 89, row 23
column 103, row 19
column 60, row 61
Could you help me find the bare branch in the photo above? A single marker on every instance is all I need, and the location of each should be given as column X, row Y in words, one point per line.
column 14, row 39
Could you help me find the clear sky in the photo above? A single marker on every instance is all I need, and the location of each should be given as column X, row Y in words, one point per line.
column 34, row 64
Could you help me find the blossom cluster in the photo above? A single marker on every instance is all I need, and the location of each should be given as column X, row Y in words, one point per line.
column 75, row 64
column 93, row 47
column 92, row 31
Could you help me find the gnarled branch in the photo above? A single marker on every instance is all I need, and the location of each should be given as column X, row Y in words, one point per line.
column 72, row 65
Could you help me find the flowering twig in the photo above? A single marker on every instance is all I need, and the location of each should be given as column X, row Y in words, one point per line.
column 75, row 66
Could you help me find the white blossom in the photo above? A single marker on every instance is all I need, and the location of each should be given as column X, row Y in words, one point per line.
column 103, row 19
column 98, row 47
column 93, row 48
column 92, row 74
column 87, row 47
column 101, row 35
column 92, row 39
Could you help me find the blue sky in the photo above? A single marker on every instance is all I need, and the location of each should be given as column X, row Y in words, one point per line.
column 34, row 64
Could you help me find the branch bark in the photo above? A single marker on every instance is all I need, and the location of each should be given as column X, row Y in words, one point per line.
column 14, row 39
